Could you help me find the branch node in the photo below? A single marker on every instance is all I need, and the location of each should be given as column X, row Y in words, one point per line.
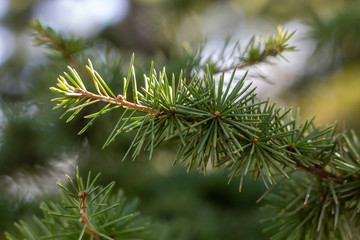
column 119, row 98
column 160, row 113
column 217, row 114
column 81, row 195
column 77, row 90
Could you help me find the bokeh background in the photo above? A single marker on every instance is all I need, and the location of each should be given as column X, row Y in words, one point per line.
column 37, row 149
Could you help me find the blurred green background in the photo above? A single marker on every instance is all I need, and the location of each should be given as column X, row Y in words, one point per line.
column 36, row 148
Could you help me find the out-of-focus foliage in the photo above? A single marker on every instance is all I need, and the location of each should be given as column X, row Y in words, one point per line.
column 335, row 99
column 339, row 32
column 332, row 90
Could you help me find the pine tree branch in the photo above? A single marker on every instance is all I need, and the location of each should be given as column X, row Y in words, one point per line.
column 111, row 216
column 262, row 57
column 259, row 51
column 160, row 95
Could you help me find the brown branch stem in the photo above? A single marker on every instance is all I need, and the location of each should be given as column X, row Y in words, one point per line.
column 318, row 170
column 82, row 196
column 119, row 100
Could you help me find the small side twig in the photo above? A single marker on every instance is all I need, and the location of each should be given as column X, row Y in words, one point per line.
column 82, row 196
column 118, row 100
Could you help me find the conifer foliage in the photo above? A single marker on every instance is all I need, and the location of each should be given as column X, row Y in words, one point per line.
column 87, row 211
column 218, row 122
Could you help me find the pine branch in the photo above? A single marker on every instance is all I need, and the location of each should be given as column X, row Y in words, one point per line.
column 324, row 205
column 257, row 51
column 87, row 212
column 220, row 125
